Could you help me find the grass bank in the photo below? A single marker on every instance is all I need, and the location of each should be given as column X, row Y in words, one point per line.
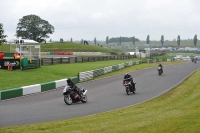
column 67, row 46
column 175, row 112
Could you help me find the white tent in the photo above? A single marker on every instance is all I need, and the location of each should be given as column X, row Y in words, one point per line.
column 25, row 41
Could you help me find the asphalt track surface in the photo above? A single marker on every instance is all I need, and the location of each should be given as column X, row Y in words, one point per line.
column 103, row 95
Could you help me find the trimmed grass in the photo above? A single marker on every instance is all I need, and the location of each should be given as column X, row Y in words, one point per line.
column 17, row 78
column 175, row 112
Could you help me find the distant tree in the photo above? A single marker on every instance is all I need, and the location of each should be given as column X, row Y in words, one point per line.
column 120, row 40
column 33, row 27
column 82, row 41
column 162, row 40
column 107, row 39
column 71, row 40
column 195, row 40
column 95, row 41
column 178, row 40
column 124, row 39
column 133, row 40
column 148, row 41
column 2, row 36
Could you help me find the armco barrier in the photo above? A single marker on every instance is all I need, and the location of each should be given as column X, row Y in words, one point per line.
column 60, row 60
column 25, row 90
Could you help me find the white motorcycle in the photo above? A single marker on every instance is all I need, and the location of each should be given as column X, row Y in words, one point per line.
column 160, row 71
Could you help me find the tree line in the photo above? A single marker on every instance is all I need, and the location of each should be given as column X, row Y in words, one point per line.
column 178, row 40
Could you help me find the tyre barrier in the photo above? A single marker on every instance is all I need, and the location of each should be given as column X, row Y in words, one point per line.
column 83, row 76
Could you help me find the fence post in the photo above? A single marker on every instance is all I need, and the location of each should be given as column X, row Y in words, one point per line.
column 68, row 59
column 52, row 61
column 42, row 61
column 61, row 60
column 38, row 63
column 75, row 59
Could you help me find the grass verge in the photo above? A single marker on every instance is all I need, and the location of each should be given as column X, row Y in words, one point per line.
column 176, row 112
column 17, row 78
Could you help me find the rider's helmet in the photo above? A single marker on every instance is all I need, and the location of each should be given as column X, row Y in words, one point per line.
column 69, row 80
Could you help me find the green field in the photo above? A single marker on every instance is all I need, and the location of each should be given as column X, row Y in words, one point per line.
column 178, row 111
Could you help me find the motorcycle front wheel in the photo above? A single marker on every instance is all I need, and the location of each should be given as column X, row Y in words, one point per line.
column 159, row 73
column 128, row 92
column 84, row 99
column 67, row 99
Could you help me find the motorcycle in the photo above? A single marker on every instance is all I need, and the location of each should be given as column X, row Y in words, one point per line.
column 195, row 61
column 159, row 71
column 129, row 87
column 70, row 96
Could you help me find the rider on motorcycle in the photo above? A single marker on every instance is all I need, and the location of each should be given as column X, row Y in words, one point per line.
column 195, row 59
column 72, row 85
column 192, row 59
column 127, row 77
column 160, row 65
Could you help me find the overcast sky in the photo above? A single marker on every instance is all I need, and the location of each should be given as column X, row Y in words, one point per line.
column 87, row 19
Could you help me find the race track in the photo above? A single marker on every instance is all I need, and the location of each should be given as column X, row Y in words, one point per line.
column 103, row 95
